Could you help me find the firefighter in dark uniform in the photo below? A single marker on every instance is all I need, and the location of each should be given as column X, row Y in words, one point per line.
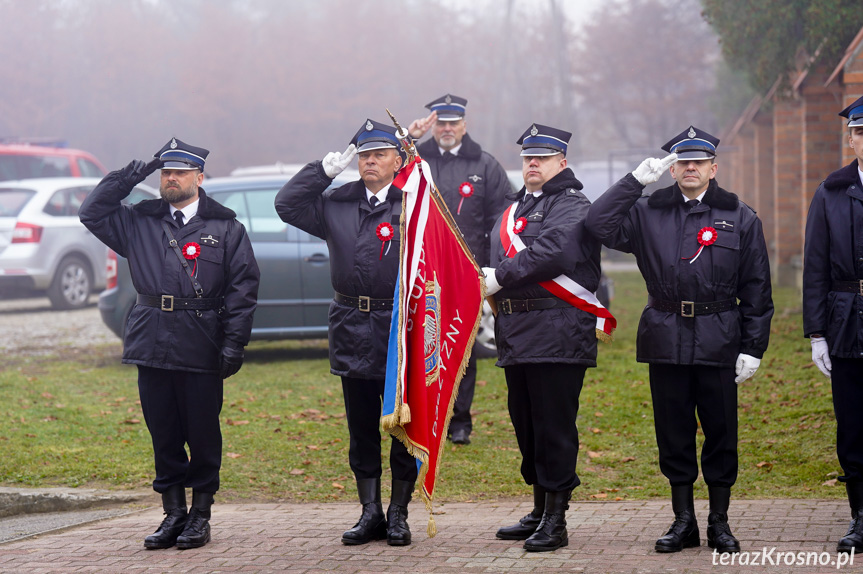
column 360, row 223
column 705, row 328
column 833, row 310
column 196, row 276
column 473, row 185
column 544, row 343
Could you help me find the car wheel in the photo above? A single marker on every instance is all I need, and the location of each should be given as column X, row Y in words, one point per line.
column 71, row 286
column 484, row 346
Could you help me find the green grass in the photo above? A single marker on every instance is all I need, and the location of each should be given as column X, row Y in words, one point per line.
column 74, row 420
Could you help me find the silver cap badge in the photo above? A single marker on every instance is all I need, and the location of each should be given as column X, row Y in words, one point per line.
column 691, row 132
column 533, row 130
column 369, row 126
column 173, row 143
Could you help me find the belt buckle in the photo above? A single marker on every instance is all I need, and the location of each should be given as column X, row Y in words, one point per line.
column 506, row 306
column 691, row 312
column 167, row 303
column 365, row 304
column 860, row 287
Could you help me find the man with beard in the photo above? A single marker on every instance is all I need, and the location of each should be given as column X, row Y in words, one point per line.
column 196, row 276
column 707, row 322
column 473, row 185
column 360, row 223
column 546, row 338
column 833, row 309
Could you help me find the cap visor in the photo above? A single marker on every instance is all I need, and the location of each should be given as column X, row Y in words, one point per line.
column 539, row 151
column 370, row 146
column 855, row 123
column 694, row 155
column 448, row 117
column 178, row 165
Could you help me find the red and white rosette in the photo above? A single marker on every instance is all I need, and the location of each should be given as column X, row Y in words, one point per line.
column 191, row 250
column 466, row 190
column 385, row 233
column 517, row 227
column 706, row 237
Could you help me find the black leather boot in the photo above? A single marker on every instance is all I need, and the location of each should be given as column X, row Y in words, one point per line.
column 684, row 530
column 527, row 525
column 197, row 531
column 551, row 532
column 398, row 531
column 372, row 524
column 853, row 539
column 174, row 505
column 718, row 532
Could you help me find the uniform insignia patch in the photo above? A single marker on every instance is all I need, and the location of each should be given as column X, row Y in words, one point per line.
column 723, row 224
column 208, row 239
column 475, row 178
column 572, row 191
column 536, row 215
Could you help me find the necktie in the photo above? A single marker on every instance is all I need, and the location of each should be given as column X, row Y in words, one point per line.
column 692, row 203
column 373, row 201
column 178, row 217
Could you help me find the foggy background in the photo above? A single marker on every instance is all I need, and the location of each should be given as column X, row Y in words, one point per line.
column 261, row 81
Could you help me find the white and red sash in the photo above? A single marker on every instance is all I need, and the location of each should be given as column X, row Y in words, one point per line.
column 561, row 286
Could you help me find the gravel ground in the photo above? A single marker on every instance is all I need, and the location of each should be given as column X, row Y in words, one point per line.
column 30, row 327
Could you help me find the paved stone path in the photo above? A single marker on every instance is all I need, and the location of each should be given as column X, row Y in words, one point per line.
column 304, row 538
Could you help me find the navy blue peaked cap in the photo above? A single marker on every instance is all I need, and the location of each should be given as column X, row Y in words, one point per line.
column 854, row 113
column 539, row 140
column 692, row 143
column 177, row 154
column 449, row 108
column 375, row 135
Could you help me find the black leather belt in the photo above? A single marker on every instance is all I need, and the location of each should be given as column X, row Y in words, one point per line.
column 510, row 306
column 691, row 308
column 171, row 303
column 848, row 286
column 364, row 304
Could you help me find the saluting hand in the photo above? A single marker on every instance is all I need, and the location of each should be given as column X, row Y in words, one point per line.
column 652, row 169
column 335, row 162
column 419, row 127
column 137, row 171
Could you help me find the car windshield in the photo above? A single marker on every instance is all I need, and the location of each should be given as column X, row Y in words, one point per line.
column 31, row 166
column 13, row 200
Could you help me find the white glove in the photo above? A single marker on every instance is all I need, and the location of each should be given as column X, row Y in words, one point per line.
column 491, row 284
column 335, row 162
column 821, row 355
column 652, row 169
column 745, row 367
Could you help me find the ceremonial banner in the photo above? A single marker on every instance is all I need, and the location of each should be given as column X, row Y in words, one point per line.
column 436, row 312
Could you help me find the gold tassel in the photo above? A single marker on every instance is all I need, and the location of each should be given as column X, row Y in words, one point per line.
column 604, row 337
column 431, row 529
column 404, row 414
column 390, row 421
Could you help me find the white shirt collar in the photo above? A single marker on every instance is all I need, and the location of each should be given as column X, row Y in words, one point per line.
column 700, row 198
column 533, row 193
column 860, row 171
column 453, row 151
column 381, row 195
column 188, row 212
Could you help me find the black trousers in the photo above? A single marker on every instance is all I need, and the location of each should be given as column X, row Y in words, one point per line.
column 678, row 391
column 182, row 408
column 461, row 409
column 363, row 404
column 543, row 405
column 847, row 382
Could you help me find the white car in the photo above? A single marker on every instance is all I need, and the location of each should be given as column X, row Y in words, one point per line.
column 43, row 244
